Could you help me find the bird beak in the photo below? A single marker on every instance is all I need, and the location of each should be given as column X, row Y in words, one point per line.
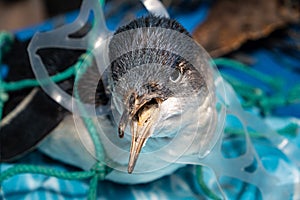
column 143, row 115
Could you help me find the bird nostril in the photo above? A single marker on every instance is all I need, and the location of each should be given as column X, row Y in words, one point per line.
column 145, row 110
column 141, row 115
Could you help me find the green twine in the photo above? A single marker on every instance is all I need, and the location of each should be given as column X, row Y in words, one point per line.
column 100, row 170
column 85, row 62
column 93, row 188
column 290, row 130
column 6, row 39
column 253, row 96
column 22, row 169
column 207, row 191
column 27, row 83
column 100, row 175
column 95, row 174
column 275, row 83
column 240, row 131
column 294, row 95
column 2, row 100
column 102, row 2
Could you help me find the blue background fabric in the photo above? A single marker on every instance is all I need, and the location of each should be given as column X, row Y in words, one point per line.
column 180, row 185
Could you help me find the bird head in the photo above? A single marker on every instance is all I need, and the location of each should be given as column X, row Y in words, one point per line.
column 154, row 87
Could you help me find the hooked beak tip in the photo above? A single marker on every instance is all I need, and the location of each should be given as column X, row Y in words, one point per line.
column 121, row 132
column 123, row 123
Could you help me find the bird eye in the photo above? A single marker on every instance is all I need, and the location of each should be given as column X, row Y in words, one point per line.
column 175, row 76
